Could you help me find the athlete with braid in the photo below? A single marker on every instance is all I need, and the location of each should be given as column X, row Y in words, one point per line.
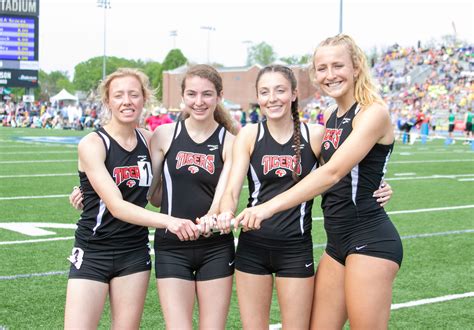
column 364, row 250
column 275, row 154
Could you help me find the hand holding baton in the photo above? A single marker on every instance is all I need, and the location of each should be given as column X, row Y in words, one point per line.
column 214, row 229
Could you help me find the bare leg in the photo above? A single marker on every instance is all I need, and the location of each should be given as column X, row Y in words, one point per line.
column 295, row 296
column 255, row 297
column 329, row 305
column 85, row 301
column 369, row 291
column 214, row 300
column 177, row 302
column 127, row 299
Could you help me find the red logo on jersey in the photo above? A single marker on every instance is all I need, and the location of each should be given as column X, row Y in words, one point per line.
column 193, row 169
column 280, row 172
column 332, row 135
column 271, row 162
column 203, row 161
column 131, row 183
column 124, row 173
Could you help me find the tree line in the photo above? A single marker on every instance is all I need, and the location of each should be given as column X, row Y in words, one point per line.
column 88, row 74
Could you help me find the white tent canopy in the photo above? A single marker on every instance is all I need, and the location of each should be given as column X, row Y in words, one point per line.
column 63, row 95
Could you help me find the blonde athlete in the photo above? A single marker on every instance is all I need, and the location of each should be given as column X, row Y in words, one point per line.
column 111, row 254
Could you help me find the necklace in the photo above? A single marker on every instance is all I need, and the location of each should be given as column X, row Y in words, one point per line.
column 345, row 115
column 342, row 121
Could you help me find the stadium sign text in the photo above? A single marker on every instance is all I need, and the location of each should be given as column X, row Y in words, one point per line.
column 20, row 7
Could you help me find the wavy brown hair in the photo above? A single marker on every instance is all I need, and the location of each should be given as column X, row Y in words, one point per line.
column 290, row 76
column 221, row 114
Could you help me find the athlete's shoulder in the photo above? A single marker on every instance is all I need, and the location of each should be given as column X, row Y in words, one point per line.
column 252, row 127
column 315, row 130
column 162, row 137
column 377, row 111
column 146, row 133
column 249, row 131
column 328, row 111
column 165, row 129
column 90, row 139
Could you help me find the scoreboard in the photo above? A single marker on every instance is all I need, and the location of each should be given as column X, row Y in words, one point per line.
column 19, row 62
column 18, row 38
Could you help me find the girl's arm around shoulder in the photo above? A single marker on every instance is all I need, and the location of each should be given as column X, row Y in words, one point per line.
column 159, row 145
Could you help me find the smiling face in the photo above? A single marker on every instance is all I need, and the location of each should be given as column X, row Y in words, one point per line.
column 334, row 71
column 125, row 99
column 200, row 98
column 274, row 95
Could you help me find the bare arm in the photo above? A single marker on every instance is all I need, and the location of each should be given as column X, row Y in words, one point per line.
column 224, row 176
column 383, row 194
column 159, row 145
column 91, row 161
column 372, row 126
column 241, row 151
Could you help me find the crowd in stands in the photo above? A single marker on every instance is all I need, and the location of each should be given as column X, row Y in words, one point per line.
column 420, row 85
column 46, row 115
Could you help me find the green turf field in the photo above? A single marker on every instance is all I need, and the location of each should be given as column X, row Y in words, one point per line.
column 432, row 207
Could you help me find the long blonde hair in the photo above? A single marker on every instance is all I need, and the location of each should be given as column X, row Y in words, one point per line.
column 221, row 115
column 104, row 88
column 365, row 90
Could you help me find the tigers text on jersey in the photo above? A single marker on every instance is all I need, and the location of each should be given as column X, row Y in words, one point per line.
column 352, row 196
column 270, row 173
column 191, row 172
column 131, row 171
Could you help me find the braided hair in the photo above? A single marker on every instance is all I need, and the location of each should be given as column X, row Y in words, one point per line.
column 290, row 76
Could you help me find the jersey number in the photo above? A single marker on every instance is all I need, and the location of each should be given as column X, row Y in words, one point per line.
column 145, row 174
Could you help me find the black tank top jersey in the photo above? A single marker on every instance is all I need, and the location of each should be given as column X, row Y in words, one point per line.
column 191, row 172
column 270, row 173
column 131, row 171
column 352, row 197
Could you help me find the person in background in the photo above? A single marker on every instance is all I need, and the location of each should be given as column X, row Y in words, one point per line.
column 468, row 122
column 165, row 118
column 451, row 122
column 110, row 256
column 153, row 120
column 364, row 250
column 254, row 115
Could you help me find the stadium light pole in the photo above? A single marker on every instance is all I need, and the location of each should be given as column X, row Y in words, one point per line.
column 248, row 44
column 209, row 29
column 340, row 15
column 174, row 34
column 106, row 5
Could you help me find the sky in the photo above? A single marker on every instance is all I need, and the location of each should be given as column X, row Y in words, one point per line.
column 72, row 31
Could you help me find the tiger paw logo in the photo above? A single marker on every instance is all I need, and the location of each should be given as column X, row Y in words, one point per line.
column 280, row 172
column 193, row 169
